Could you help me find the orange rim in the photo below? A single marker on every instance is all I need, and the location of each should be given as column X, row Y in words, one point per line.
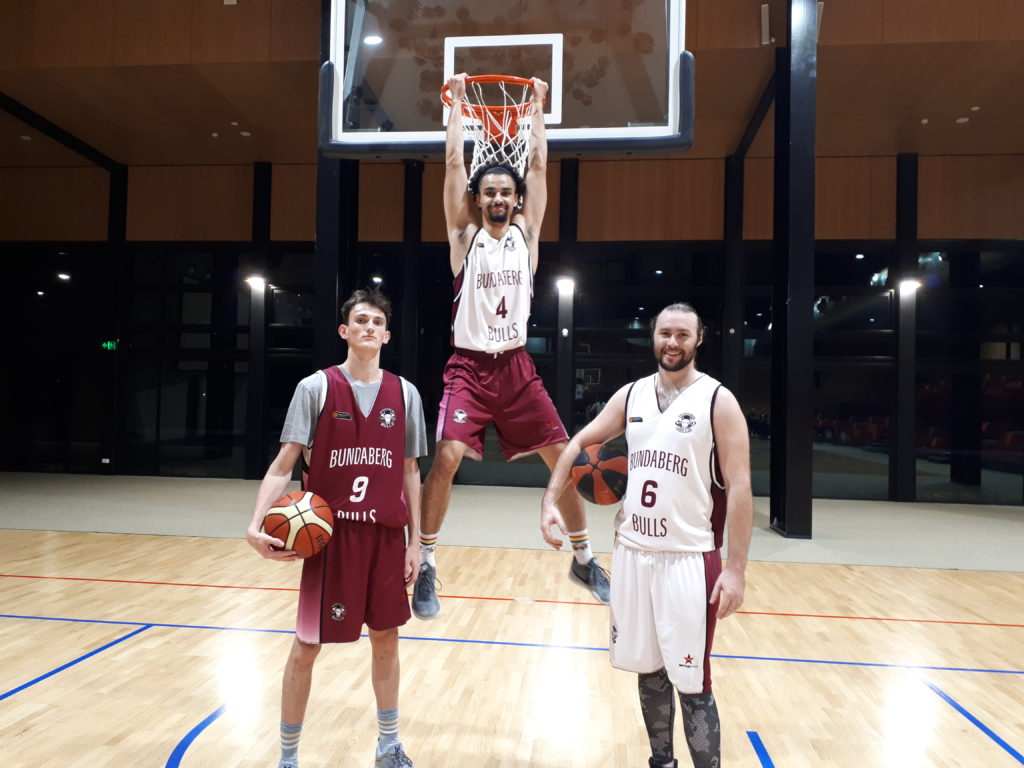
column 477, row 110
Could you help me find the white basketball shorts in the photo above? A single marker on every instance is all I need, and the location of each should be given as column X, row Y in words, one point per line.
column 660, row 616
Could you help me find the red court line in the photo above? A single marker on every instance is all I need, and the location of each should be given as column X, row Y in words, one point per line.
column 512, row 599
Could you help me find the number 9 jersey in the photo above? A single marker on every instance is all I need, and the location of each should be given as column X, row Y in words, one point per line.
column 675, row 500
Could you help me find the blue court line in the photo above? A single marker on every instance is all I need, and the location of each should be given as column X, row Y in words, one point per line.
column 61, row 668
column 179, row 751
column 762, row 753
column 980, row 725
column 880, row 665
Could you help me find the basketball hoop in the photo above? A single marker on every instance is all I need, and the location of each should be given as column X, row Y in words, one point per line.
column 500, row 131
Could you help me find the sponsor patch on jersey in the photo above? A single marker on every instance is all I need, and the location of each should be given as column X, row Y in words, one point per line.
column 337, row 612
column 460, row 416
column 686, row 422
column 635, row 419
column 388, row 418
column 343, row 416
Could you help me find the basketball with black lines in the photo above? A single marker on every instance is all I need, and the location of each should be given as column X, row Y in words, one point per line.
column 599, row 474
column 302, row 520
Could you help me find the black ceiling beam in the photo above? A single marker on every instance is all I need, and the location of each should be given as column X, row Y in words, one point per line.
column 34, row 119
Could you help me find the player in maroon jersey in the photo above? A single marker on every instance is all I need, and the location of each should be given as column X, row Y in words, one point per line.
column 359, row 431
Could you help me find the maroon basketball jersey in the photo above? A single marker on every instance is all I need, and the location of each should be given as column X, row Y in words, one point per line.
column 357, row 462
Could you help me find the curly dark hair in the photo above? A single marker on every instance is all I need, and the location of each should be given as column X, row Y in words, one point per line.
column 483, row 170
column 371, row 296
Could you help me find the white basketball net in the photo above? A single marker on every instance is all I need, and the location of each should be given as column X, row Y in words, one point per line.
column 500, row 136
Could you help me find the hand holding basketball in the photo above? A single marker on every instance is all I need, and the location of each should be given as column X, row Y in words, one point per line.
column 300, row 522
column 599, row 474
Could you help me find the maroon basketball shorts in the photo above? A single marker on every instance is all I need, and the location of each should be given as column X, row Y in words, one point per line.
column 358, row 578
column 480, row 388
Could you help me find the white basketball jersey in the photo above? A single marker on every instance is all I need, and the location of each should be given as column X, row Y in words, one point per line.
column 674, row 500
column 492, row 293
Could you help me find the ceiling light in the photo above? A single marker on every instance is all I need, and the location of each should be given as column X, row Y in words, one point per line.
column 909, row 286
column 25, row 137
column 858, row 256
column 641, row 309
column 256, row 282
column 373, row 39
column 234, row 123
column 377, row 279
column 963, row 120
column 657, row 271
column 215, row 135
column 40, row 293
column 981, row 285
column 63, row 276
column 565, row 284
column 924, row 121
column 246, row 134
column 975, row 109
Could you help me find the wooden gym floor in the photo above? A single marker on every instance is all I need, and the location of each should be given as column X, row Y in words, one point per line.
column 137, row 649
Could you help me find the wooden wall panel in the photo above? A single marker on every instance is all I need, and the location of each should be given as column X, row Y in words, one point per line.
column 728, row 24
column 851, row 22
column 433, row 207
column 230, row 33
column 930, row 21
column 658, row 199
column 855, row 198
column 53, row 203
column 295, row 30
column 293, row 202
column 1001, row 20
column 152, row 32
column 190, row 202
column 971, row 197
column 70, row 33
column 381, row 192
column 759, row 175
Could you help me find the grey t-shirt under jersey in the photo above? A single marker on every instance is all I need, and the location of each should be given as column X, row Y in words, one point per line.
column 310, row 395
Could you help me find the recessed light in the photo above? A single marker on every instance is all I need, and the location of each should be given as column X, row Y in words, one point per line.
column 377, row 279
column 981, row 285
column 963, row 120
column 215, row 135
column 25, row 137
column 63, row 276
column 859, row 256
column 641, row 309
column 872, row 319
column 234, row 123
column 924, row 121
column 246, row 134
column 657, row 271
column 975, row 109
column 373, row 39
column 40, row 293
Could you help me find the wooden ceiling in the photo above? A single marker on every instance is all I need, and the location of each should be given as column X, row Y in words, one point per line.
column 872, row 96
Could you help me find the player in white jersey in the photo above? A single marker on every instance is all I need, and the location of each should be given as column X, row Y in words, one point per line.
column 494, row 233
column 688, row 479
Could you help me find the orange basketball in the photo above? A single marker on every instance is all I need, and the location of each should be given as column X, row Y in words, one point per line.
column 302, row 520
column 599, row 474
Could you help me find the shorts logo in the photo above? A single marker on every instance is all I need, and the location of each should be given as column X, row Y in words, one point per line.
column 686, row 422
column 688, row 662
column 337, row 612
column 387, row 418
column 459, row 416
column 343, row 416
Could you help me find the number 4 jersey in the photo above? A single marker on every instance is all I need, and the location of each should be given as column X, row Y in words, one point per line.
column 492, row 293
column 674, row 499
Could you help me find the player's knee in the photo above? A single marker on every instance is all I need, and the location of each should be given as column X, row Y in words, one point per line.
column 384, row 642
column 446, row 461
column 304, row 654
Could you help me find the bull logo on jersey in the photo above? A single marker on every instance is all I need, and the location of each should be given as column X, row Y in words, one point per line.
column 510, row 243
column 460, row 416
column 686, row 422
column 337, row 612
column 387, row 418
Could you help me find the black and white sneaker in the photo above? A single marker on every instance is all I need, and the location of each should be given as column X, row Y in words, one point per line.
column 425, row 604
column 593, row 577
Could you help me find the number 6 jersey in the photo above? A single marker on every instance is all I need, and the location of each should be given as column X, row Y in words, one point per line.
column 674, row 499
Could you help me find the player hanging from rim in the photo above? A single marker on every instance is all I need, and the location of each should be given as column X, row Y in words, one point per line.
column 494, row 230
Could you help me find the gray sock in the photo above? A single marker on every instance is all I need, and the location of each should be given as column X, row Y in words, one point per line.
column 703, row 729
column 659, row 709
column 290, row 743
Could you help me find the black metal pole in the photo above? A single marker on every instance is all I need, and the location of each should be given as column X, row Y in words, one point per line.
column 734, row 275
column 412, row 228
column 903, row 459
column 793, row 289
